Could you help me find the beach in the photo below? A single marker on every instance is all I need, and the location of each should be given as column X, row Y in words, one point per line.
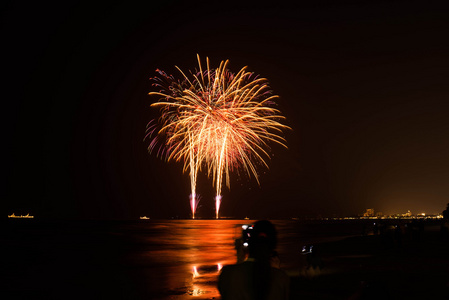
column 414, row 265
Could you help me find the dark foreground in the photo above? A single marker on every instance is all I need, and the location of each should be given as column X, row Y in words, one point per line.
column 159, row 260
column 401, row 265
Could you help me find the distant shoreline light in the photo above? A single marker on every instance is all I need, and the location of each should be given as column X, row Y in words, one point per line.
column 420, row 216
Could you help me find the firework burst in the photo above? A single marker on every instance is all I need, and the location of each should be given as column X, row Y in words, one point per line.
column 216, row 120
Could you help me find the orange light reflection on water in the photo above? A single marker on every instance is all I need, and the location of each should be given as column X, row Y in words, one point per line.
column 192, row 253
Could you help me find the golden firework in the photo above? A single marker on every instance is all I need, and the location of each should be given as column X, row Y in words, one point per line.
column 218, row 120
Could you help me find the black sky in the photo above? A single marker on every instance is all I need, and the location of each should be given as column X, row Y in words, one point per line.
column 363, row 85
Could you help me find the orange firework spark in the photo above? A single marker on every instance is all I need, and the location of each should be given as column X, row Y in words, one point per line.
column 218, row 120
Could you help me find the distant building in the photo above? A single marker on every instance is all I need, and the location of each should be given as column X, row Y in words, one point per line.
column 369, row 212
column 408, row 214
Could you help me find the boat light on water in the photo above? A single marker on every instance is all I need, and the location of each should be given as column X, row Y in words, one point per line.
column 27, row 216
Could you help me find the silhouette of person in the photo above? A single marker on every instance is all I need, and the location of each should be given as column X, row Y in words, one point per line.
column 259, row 277
column 446, row 213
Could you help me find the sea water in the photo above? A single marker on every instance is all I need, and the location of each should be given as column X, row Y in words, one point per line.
column 142, row 259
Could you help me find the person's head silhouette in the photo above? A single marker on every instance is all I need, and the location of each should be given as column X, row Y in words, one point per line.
column 263, row 240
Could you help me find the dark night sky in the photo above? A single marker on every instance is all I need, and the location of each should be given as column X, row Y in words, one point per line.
column 364, row 87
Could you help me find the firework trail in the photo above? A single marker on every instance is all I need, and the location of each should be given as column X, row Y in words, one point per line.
column 215, row 119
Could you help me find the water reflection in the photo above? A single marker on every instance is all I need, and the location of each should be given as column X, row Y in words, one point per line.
column 195, row 272
column 202, row 278
column 188, row 255
column 184, row 257
column 149, row 259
